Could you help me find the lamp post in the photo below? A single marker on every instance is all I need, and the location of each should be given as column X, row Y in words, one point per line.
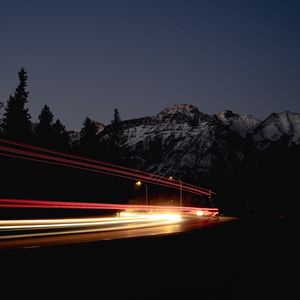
column 180, row 191
column 210, row 197
column 146, row 189
column 139, row 184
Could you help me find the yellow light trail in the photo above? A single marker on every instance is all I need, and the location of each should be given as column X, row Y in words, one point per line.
column 131, row 221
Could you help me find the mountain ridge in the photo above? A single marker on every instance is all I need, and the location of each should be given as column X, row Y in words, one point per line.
column 182, row 141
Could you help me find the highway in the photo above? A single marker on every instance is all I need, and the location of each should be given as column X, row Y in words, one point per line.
column 151, row 219
column 48, row 232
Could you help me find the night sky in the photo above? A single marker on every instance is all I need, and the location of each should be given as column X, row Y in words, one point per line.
column 85, row 58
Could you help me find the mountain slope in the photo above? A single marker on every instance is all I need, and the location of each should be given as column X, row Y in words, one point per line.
column 182, row 141
column 276, row 127
column 242, row 124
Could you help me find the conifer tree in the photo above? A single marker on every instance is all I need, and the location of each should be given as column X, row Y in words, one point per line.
column 16, row 123
column 43, row 130
column 89, row 141
column 115, row 148
column 116, row 129
column 61, row 138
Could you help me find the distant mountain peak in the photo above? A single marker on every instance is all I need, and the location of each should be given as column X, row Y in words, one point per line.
column 180, row 113
column 228, row 113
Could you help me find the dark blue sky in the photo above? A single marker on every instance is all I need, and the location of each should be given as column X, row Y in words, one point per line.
column 85, row 58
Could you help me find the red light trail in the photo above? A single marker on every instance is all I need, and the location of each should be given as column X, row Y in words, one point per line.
column 28, row 203
column 37, row 154
column 42, row 155
column 40, row 149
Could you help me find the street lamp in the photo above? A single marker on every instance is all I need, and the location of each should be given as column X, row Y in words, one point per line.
column 210, row 195
column 180, row 193
column 139, row 184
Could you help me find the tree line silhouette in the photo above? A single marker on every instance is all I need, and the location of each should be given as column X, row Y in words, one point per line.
column 17, row 124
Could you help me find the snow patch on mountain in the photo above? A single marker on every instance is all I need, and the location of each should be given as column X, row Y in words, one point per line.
column 277, row 126
column 242, row 124
column 74, row 136
column 99, row 126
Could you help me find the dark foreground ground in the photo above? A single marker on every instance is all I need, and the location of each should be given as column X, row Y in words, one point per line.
column 247, row 259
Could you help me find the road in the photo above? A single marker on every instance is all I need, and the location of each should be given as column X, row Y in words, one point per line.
column 190, row 259
column 49, row 232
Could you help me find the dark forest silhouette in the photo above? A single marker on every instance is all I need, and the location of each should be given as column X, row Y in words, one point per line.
column 265, row 182
column 16, row 124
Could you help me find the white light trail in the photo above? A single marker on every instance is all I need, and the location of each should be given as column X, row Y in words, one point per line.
column 86, row 224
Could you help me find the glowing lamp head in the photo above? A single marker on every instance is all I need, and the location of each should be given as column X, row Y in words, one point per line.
column 138, row 183
column 171, row 177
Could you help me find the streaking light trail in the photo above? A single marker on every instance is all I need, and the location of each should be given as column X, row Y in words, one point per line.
column 49, row 232
column 130, row 220
column 38, row 154
column 17, row 229
column 26, row 203
column 40, row 149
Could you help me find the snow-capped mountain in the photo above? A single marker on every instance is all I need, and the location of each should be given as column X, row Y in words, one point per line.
column 243, row 124
column 180, row 140
column 277, row 126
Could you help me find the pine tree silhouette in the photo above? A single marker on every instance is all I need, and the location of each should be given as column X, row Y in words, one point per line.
column 115, row 148
column 61, row 138
column 116, row 128
column 49, row 134
column 43, row 130
column 16, row 123
column 89, row 140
